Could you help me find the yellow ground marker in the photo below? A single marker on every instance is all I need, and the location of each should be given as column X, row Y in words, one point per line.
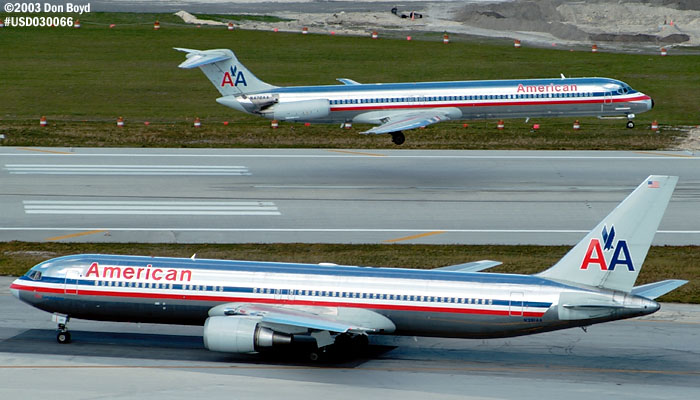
column 418, row 236
column 653, row 153
column 72, row 235
column 45, row 151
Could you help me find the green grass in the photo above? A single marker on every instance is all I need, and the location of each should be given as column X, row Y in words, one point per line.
column 97, row 74
column 679, row 262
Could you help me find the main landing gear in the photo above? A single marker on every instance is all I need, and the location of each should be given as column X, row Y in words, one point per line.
column 345, row 347
column 398, row 138
column 62, row 336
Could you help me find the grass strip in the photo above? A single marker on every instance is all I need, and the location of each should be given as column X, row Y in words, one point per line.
column 83, row 79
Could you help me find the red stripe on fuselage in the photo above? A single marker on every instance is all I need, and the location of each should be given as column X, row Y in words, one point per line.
column 228, row 299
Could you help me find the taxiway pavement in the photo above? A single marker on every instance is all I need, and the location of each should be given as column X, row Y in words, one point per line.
column 331, row 196
column 656, row 357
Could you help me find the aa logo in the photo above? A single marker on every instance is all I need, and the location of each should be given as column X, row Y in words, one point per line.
column 233, row 78
column 596, row 253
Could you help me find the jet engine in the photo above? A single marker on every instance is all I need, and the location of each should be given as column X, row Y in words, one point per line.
column 236, row 334
column 299, row 110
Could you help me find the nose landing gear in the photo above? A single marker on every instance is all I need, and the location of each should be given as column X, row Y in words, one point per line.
column 630, row 123
column 62, row 336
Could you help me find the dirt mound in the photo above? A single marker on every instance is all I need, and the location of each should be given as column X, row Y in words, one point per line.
column 622, row 21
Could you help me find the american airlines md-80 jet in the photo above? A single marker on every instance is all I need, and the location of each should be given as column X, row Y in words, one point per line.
column 248, row 306
column 397, row 107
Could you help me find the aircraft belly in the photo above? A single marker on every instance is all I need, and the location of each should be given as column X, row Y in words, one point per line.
column 123, row 309
column 521, row 111
column 469, row 325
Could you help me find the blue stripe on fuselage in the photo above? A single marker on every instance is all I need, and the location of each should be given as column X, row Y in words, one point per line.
column 442, row 85
column 292, row 268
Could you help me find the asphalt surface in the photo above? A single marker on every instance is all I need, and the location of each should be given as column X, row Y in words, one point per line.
column 657, row 357
column 331, row 196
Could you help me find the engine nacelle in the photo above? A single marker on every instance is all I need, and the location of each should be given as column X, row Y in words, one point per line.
column 238, row 334
column 299, row 110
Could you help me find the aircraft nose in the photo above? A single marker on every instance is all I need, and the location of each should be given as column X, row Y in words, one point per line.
column 14, row 290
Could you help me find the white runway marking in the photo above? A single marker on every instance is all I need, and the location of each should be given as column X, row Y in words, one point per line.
column 101, row 169
column 535, row 157
column 324, row 230
column 151, row 207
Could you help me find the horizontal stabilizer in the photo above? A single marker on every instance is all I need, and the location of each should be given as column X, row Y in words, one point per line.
column 658, row 289
column 475, row 266
column 197, row 58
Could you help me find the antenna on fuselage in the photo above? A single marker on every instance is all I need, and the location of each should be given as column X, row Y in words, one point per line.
column 562, row 76
column 193, row 256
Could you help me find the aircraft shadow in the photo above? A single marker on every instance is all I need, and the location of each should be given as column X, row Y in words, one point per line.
column 164, row 347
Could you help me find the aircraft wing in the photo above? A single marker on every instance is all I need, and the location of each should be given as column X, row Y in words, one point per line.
column 475, row 266
column 657, row 289
column 409, row 120
column 332, row 319
column 346, row 81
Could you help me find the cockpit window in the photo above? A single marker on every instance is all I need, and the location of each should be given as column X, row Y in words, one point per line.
column 35, row 275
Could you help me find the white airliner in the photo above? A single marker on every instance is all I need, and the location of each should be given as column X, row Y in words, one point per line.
column 396, row 107
column 249, row 306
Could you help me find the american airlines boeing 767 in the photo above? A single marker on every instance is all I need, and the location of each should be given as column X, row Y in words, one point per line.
column 248, row 306
column 396, row 107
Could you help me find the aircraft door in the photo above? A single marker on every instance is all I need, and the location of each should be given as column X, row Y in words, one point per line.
column 607, row 101
column 70, row 284
column 516, row 305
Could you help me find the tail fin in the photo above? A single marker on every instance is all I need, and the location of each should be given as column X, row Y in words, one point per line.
column 224, row 71
column 611, row 255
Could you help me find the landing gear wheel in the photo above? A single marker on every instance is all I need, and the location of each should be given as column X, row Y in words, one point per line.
column 398, row 138
column 314, row 355
column 63, row 337
column 630, row 124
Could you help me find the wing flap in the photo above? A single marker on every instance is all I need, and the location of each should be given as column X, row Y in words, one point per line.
column 474, row 266
column 402, row 122
column 332, row 319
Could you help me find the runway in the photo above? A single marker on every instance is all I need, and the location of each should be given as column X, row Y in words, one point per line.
column 331, row 196
column 652, row 358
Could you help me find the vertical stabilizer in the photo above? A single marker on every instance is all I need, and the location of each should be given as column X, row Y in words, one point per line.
column 611, row 255
column 225, row 72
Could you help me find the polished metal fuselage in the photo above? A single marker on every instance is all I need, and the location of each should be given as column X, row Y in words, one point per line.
column 418, row 302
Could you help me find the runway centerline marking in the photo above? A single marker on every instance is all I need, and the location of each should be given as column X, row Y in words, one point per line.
column 74, row 235
column 418, row 236
column 358, row 153
column 46, row 151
